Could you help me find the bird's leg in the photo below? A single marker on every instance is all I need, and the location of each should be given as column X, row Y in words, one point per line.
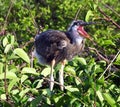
column 32, row 58
column 51, row 75
column 61, row 73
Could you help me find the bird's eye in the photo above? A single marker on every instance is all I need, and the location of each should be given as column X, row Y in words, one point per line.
column 76, row 23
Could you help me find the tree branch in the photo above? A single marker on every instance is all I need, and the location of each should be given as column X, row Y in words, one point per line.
column 53, row 81
column 107, row 6
column 108, row 18
column 102, row 57
column 110, row 64
column 76, row 15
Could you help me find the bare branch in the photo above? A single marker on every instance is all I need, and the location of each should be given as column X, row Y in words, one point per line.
column 111, row 9
column 108, row 18
column 102, row 57
column 110, row 64
column 27, row 43
column 76, row 15
column 5, row 23
column 53, row 81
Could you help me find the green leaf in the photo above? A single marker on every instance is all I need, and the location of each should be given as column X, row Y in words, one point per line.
column 11, row 84
column 28, row 70
column 118, row 58
column 5, row 41
column 89, row 13
column 71, row 89
column 117, row 62
column 3, row 97
column 39, row 83
column 99, row 94
column 36, row 101
column 70, row 70
column 12, row 38
column 94, row 6
column 23, row 92
column 101, row 80
column 7, row 48
column 1, row 67
column 9, row 75
column 109, row 99
column 81, row 60
column 45, row 72
column 23, row 78
column 98, row 69
column 15, row 91
column 22, row 54
column 118, row 100
column 108, row 42
column 56, row 99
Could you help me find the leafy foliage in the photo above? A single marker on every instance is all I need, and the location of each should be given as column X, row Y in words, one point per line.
column 90, row 80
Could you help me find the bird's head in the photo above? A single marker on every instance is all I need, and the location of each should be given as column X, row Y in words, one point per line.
column 78, row 26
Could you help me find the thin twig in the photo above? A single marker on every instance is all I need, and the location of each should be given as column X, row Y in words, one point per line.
column 102, row 57
column 5, row 79
column 33, row 20
column 108, row 18
column 76, row 15
column 110, row 64
column 5, row 82
column 27, row 43
column 111, row 9
column 5, row 23
column 2, row 32
column 53, row 81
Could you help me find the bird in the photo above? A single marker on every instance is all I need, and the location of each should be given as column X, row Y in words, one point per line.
column 55, row 46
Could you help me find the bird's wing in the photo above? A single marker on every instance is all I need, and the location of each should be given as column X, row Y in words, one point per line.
column 51, row 44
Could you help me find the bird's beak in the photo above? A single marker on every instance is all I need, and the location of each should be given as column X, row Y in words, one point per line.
column 83, row 32
column 89, row 23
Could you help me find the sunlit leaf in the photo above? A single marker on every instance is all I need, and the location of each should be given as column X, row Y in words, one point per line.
column 28, row 70
column 1, row 67
column 9, row 75
column 70, row 70
column 81, row 60
column 95, row 6
column 12, row 39
column 22, row 54
column 89, row 13
column 118, row 100
column 56, row 99
column 45, row 72
column 118, row 58
column 117, row 62
column 3, row 97
column 7, row 48
column 109, row 99
column 23, row 92
column 11, row 84
column 39, row 83
column 71, row 89
column 23, row 78
column 101, row 80
column 108, row 42
column 15, row 91
column 5, row 41
column 99, row 94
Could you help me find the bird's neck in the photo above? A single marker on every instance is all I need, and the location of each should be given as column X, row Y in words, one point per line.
column 75, row 37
